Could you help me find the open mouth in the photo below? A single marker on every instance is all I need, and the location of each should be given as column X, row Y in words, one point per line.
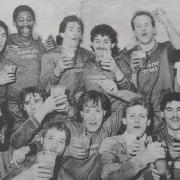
column 92, row 124
column 144, row 34
column 137, row 127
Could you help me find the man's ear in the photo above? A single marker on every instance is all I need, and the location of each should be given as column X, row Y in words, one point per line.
column 155, row 31
column 61, row 34
column 81, row 114
column 112, row 45
column 104, row 113
column 124, row 121
column 148, row 122
column 162, row 114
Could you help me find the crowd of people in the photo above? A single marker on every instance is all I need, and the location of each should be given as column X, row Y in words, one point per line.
column 67, row 113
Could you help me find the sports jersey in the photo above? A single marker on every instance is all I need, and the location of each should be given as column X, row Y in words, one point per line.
column 92, row 68
column 71, row 78
column 26, row 57
column 89, row 168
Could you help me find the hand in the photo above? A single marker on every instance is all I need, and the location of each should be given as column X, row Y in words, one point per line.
column 6, row 78
column 76, row 151
column 153, row 152
column 135, row 65
column 136, row 147
column 160, row 15
column 49, row 43
column 155, row 172
column 58, row 103
column 174, row 150
column 38, row 171
column 63, row 64
column 19, row 155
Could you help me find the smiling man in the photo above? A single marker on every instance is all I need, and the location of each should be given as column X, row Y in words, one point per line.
column 25, row 53
column 152, row 63
column 170, row 130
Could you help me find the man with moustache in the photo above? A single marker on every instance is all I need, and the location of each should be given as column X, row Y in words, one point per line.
column 157, row 73
column 169, row 131
column 107, row 65
column 25, row 53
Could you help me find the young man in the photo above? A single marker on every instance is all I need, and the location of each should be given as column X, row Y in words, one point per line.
column 64, row 64
column 56, row 138
column 25, row 53
column 170, row 130
column 94, row 124
column 107, row 63
column 35, row 108
column 128, row 155
column 157, row 75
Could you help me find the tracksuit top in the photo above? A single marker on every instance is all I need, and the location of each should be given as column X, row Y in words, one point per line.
column 27, row 58
column 158, row 76
column 71, row 78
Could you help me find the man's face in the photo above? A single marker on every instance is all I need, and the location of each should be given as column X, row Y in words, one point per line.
column 24, row 23
column 172, row 115
column 102, row 44
column 93, row 116
column 32, row 103
column 72, row 34
column 143, row 29
column 3, row 38
column 136, row 120
column 55, row 141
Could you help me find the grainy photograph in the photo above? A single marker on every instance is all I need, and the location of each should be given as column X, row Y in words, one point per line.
column 89, row 90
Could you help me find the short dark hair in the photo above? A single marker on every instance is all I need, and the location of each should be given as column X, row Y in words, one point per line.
column 139, row 101
column 106, row 30
column 29, row 90
column 140, row 13
column 4, row 26
column 142, row 102
column 60, row 126
column 63, row 24
column 95, row 97
column 23, row 8
column 169, row 97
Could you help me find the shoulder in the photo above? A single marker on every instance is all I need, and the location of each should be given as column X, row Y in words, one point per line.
column 85, row 53
column 109, row 143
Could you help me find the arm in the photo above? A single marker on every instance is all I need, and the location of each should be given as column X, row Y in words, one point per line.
column 25, row 132
column 110, row 87
column 125, row 82
column 47, row 77
column 174, row 36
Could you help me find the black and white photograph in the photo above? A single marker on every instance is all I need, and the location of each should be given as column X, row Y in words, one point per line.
column 89, row 90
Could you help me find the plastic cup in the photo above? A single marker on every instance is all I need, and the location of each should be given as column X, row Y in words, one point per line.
column 139, row 55
column 57, row 90
column 10, row 68
column 162, row 166
column 47, row 159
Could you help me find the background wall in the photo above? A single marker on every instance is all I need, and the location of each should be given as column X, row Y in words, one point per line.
column 117, row 13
